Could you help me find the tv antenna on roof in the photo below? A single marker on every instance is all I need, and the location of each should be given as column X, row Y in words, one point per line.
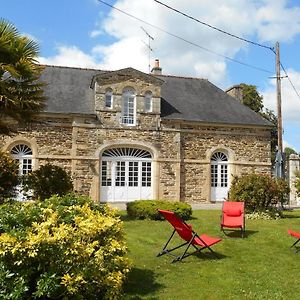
column 148, row 45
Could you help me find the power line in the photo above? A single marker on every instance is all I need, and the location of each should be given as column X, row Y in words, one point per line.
column 232, row 35
column 289, row 79
column 187, row 41
column 215, row 28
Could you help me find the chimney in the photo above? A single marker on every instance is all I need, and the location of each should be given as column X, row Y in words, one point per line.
column 156, row 70
column 236, row 92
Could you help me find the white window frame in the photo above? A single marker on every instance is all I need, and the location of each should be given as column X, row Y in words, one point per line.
column 148, row 102
column 23, row 154
column 128, row 116
column 108, row 99
column 126, row 174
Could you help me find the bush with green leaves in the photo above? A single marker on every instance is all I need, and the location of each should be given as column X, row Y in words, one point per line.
column 259, row 192
column 148, row 209
column 9, row 176
column 63, row 248
column 48, row 180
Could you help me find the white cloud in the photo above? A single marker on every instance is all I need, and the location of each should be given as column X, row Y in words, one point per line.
column 290, row 102
column 267, row 19
column 241, row 17
column 277, row 22
column 128, row 52
column 70, row 56
column 95, row 33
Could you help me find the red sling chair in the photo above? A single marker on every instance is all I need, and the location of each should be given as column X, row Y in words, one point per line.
column 190, row 237
column 297, row 236
column 233, row 216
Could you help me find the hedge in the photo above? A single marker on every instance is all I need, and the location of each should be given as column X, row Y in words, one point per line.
column 148, row 209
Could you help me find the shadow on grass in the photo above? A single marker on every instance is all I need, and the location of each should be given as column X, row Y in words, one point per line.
column 209, row 255
column 237, row 233
column 141, row 282
column 201, row 255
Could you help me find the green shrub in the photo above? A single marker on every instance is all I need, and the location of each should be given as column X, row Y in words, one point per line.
column 9, row 178
column 282, row 191
column 148, row 209
column 259, row 192
column 63, row 248
column 48, row 180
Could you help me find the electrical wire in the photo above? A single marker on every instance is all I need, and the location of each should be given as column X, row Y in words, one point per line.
column 185, row 40
column 215, row 28
column 289, row 79
column 232, row 35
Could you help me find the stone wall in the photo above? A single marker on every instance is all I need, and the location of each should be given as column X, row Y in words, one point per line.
column 181, row 153
column 293, row 166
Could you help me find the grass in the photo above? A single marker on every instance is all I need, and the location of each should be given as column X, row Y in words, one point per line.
column 260, row 266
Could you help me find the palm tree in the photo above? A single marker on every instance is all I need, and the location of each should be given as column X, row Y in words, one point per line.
column 21, row 95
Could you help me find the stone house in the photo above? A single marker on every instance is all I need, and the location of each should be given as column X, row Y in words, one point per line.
column 127, row 135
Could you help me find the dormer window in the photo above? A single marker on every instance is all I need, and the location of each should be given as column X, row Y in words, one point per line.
column 128, row 107
column 108, row 99
column 148, row 102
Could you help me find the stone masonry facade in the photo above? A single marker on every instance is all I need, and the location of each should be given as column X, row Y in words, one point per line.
column 181, row 151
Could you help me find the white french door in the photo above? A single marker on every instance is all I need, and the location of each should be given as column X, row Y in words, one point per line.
column 126, row 178
column 219, row 177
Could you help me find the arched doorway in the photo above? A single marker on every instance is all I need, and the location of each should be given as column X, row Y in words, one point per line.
column 219, row 176
column 126, row 174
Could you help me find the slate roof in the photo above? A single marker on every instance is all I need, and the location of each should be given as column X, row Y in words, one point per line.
column 195, row 99
column 68, row 89
column 183, row 98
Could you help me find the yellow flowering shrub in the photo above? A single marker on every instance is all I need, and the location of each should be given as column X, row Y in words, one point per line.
column 64, row 248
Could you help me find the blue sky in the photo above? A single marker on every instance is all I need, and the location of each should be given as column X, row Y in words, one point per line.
column 86, row 33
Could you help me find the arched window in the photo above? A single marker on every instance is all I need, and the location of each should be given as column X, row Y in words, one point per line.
column 23, row 154
column 126, row 174
column 109, row 98
column 148, row 102
column 128, row 107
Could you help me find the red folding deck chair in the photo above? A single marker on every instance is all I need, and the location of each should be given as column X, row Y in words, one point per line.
column 297, row 236
column 233, row 216
column 190, row 237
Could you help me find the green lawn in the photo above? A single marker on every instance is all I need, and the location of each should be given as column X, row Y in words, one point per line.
column 260, row 266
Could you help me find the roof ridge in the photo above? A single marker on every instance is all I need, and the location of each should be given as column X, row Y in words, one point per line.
column 181, row 77
column 77, row 68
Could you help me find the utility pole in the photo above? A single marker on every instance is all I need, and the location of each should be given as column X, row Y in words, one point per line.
column 278, row 86
column 279, row 160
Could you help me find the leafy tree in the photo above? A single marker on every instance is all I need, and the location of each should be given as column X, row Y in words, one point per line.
column 48, row 180
column 251, row 97
column 21, row 95
column 254, row 100
column 9, row 176
column 288, row 151
column 270, row 116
